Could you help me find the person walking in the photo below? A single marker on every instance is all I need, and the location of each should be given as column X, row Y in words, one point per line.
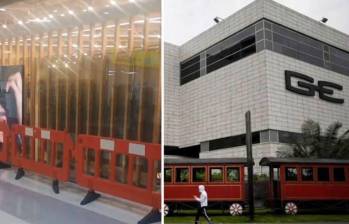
column 202, row 205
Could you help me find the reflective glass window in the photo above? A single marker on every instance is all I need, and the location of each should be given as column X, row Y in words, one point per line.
column 291, row 173
column 233, row 174
column 307, row 174
column 168, row 175
column 216, row 174
column 339, row 174
column 182, row 175
column 323, row 174
column 199, row 174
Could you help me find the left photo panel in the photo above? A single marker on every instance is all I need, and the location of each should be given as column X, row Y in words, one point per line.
column 80, row 111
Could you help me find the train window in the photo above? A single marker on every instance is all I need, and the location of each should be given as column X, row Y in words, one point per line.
column 233, row 174
column 291, row 173
column 182, row 175
column 199, row 174
column 307, row 174
column 168, row 175
column 323, row 174
column 338, row 174
column 216, row 174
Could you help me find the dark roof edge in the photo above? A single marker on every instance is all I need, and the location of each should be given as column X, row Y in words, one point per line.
column 266, row 161
column 206, row 161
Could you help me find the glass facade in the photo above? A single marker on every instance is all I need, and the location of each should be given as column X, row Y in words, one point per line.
column 261, row 35
column 88, row 70
column 288, row 42
column 229, row 50
column 190, row 69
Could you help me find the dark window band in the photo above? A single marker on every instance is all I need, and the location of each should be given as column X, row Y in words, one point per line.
column 264, row 136
column 264, row 34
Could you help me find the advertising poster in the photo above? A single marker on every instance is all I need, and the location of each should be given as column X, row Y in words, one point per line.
column 11, row 92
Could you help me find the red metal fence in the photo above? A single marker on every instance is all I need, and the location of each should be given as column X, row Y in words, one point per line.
column 126, row 169
column 122, row 168
column 4, row 142
column 43, row 151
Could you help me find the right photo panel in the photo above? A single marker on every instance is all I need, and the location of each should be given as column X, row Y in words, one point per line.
column 256, row 111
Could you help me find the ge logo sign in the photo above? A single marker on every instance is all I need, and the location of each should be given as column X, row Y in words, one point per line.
column 307, row 87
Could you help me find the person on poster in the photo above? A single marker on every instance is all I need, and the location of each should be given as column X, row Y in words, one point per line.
column 14, row 84
column 11, row 99
column 202, row 205
column 11, row 103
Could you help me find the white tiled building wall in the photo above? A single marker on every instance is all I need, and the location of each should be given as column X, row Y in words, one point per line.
column 171, row 91
column 213, row 106
column 287, row 110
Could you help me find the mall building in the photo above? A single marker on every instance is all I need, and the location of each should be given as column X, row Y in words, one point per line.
column 281, row 65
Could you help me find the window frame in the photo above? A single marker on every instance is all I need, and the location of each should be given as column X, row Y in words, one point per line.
column 192, row 174
column 209, row 174
column 301, row 172
column 172, row 172
column 184, row 78
column 175, row 172
column 226, row 174
column 297, row 173
column 345, row 175
column 329, row 174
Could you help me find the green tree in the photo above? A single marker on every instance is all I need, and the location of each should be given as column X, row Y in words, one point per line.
column 312, row 143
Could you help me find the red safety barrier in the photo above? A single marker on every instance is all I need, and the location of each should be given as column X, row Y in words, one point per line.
column 126, row 169
column 4, row 142
column 43, row 151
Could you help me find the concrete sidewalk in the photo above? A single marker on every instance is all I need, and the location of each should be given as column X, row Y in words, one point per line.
column 30, row 200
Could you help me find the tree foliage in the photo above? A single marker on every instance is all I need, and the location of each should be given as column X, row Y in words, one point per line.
column 313, row 143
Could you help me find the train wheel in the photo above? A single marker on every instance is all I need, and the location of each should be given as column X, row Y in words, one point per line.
column 235, row 209
column 291, row 208
column 166, row 210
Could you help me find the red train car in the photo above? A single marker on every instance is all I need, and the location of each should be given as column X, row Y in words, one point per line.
column 297, row 183
column 222, row 178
